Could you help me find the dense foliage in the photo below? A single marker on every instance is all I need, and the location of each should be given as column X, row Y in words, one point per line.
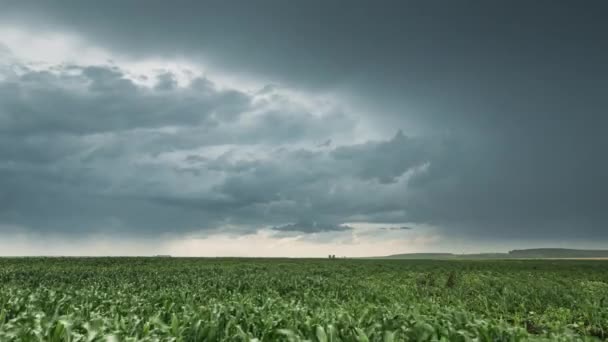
column 129, row 299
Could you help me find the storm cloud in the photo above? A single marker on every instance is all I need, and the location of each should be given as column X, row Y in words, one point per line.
column 483, row 120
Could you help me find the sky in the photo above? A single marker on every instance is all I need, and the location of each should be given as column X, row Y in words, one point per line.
column 302, row 129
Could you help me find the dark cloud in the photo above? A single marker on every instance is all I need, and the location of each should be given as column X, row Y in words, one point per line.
column 412, row 42
column 90, row 141
column 384, row 161
column 101, row 99
column 502, row 107
column 395, row 228
column 312, row 227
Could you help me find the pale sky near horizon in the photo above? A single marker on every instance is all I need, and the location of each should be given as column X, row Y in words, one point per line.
column 278, row 128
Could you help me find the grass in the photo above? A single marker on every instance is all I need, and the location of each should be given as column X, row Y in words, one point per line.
column 189, row 299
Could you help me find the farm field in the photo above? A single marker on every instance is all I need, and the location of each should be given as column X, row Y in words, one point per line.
column 191, row 299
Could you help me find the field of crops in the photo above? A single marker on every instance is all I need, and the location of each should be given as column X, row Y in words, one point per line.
column 164, row 299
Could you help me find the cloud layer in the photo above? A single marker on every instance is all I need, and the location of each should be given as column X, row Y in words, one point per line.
column 484, row 122
column 87, row 149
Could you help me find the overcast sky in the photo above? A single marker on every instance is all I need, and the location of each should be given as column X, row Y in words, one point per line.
column 302, row 128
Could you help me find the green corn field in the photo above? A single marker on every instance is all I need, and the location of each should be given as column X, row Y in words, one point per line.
column 194, row 299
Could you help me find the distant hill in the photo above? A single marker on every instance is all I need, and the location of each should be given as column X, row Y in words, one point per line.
column 558, row 253
column 446, row 256
column 534, row 253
